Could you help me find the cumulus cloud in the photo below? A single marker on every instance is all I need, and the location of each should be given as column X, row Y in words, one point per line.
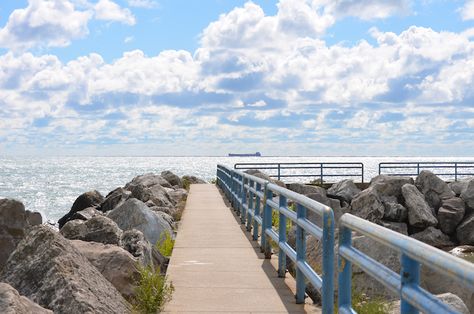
column 148, row 4
column 108, row 10
column 467, row 11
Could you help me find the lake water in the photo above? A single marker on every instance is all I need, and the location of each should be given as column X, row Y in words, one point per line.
column 50, row 185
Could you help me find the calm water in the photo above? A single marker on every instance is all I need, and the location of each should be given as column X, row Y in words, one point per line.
column 50, row 185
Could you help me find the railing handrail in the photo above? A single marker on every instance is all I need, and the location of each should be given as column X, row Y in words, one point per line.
column 417, row 166
column 321, row 166
column 406, row 284
column 242, row 189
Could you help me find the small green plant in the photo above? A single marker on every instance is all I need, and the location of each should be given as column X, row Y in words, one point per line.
column 165, row 244
column 152, row 292
column 213, row 181
column 363, row 304
column 186, row 183
column 276, row 221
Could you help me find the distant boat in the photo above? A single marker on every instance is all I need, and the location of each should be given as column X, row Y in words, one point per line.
column 257, row 154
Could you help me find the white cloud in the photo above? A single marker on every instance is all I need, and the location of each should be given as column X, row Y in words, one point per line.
column 467, row 11
column 108, row 10
column 44, row 23
column 148, row 4
column 370, row 9
column 128, row 39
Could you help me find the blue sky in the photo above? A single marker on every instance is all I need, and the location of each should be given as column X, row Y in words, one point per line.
column 288, row 77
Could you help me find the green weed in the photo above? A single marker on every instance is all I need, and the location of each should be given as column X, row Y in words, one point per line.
column 165, row 244
column 152, row 292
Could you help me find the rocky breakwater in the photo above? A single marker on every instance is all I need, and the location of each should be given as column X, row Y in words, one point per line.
column 427, row 209
column 92, row 265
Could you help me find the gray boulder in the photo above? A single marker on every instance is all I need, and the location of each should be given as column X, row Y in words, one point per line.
column 155, row 193
column 450, row 299
column 468, row 196
column 419, row 212
column 50, row 271
column 459, row 186
column 11, row 302
column 433, row 237
column 86, row 214
column 465, row 231
column 115, row 198
column 390, row 185
column 178, row 195
column 187, row 180
column 399, row 227
column 368, row 205
column 14, row 221
column 97, row 229
column 134, row 214
column 147, row 180
column 433, row 188
column 85, row 200
column 306, row 189
column 173, row 179
column 450, row 214
column 118, row 266
column 465, row 252
column 344, row 190
column 33, row 218
column 393, row 210
column 134, row 242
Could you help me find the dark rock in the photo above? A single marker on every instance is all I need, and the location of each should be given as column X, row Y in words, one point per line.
column 86, row 214
column 33, row 218
column 192, row 180
column 134, row 242
column 118, row 266
column 134, row 214
column 459, row 186
column 173, row 179
column 390, row 185
column 368, row 205
column 450, row 214
column 399, row 227
column 468, row 196
column 433, row 237
column 50, row 271
column 419, row 212
column 88, row 199
column 115, row 198
column 147, row 180
column 11, row 302
column 155, row 193
column 433, row 188
column 178, row 195
column 306, row 189
column 345, row 190
column 393, row 210
column 97, row 229
column 465, row 231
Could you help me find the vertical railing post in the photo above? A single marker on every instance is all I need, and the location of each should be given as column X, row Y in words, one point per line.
column 256, row 212
column 232, row 189
column 321, row 172
column 300, row 255
column 266, row 222
column 243, row 211
column 363, row 172
column 455, row 171
column 327, row 292
column 410, row 275
column 282, row 237
column 250, row 205
column 279, row 171
column 418, row 168
column 345, row 271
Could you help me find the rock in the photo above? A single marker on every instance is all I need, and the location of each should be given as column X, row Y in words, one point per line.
column 465, row 252
column 345, row 190
column 33, row 218
column 259, row 174
column 459, row 186
column 187, row 180
column 390, row 185
column 433, row 237
column 156, row 194
column 88, row 199
column 134, row 214
column 13, row 224
column 97, row 229
column 167, row 210
column 134, row 242
column 419, row 212
column 450, row 299
column 433, row 188
column 450, row 214
column 11, row 302
column 115, row 198
column 178, row 195
column 393, row 210
column 173, row 179
column 368, row 205
column 468, row 196
column 465, row 231
column 117, row 265
column 399, row 227
column 306, row 189
column 50, row 271
column 86, row 214
column 147, row 180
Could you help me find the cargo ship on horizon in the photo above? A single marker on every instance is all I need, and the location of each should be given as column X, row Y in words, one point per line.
column 257, row 154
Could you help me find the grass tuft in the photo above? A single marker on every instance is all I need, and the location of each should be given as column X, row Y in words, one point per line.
column 152, row 292
column 165, row 244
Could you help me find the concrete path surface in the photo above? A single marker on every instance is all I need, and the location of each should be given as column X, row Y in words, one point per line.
column 216, row 268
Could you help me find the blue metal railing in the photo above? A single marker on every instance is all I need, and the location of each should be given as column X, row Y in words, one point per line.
column 320, row 170
column 405, row 284
column 450, row 170
column 248, row 193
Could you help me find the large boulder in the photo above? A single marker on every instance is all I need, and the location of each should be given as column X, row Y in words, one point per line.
column 134, row 214
column 86, row 214
column 393, row 210
column 450, row 214
column 178, row 195
column 115, row 198
column 33, row 218
column 465, row 231
column 344, row 190
column 368, row 205
column 390, row 185
column 11, row 302
column 134, row 242
column 173, row 179
column 14, row 221
column 147, row 180
column 187, row 180
column 468, row 196
column 459, row 186
column 155, row 193
column 49, row 270
column 433, row 237
column 85, row 200
column 433, row 188
column 306, row 189
column 450, row 299
column 419, row 212
column 118, row 266
column 97, row 229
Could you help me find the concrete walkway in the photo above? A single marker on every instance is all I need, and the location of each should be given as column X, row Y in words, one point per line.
column 216, row 268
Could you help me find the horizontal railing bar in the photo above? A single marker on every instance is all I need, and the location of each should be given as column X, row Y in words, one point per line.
column 425, row 301
column 309, row 273
column 288, row 250
column 272, row 234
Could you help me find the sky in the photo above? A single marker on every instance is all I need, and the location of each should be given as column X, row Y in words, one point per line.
column 209, row 77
